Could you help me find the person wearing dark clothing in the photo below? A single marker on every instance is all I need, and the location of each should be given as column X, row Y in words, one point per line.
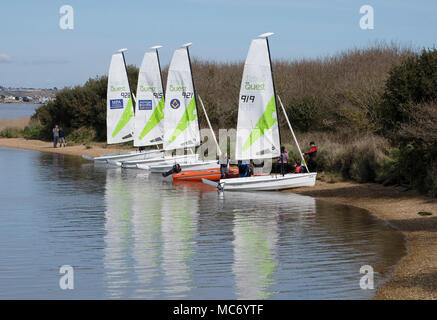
column 55, row 136
column 283, row 161
column 244, row 169
column 61, row 137
column 312, row 156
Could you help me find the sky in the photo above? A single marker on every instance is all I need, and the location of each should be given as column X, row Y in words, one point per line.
column 36, row 52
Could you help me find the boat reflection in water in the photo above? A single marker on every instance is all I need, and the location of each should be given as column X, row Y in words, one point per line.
column 133, row 235
column 256, row 235
column 187, row 241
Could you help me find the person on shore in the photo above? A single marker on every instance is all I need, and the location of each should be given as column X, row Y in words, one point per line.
column 55, row 136
column 283, row 161
column 312, row 155
column 224, row 166
column 61, row 138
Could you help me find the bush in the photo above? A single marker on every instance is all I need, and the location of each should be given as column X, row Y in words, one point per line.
column 11, row 133
column 409, row 117
column 411, row 83
column 82, row 135
column 353, row 156
column 33, row 130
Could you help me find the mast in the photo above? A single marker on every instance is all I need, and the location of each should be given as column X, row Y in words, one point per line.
column 294, row 136
column 159, row 65
column 187, row 45
column 266, row 36
column 122, row 51
column 162, row 81
column 210, row 127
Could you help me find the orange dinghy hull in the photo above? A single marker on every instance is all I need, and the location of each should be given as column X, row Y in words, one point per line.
column 198, row 175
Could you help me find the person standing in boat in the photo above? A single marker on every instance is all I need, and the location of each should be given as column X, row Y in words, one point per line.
column 312, row 154
column 55, row 136
column 224, row 166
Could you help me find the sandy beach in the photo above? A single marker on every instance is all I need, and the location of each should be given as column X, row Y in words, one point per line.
column 416, row 275
column 93, row 150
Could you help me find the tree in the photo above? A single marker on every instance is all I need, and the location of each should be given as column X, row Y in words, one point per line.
column 411, row 83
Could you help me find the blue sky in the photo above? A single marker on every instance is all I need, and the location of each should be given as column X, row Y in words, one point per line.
column 36, row 52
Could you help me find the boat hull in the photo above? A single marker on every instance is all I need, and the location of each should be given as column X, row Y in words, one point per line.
column 198, row 175
column 146, row 163
column 271, row 182
column 191, row 165
column 119, row 157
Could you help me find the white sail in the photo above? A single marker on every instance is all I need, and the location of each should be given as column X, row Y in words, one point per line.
column 120, row 111
column 257, row 127
column 149, row 110
column 181, row 128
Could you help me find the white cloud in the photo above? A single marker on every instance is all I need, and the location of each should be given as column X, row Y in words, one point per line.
column 4, row 58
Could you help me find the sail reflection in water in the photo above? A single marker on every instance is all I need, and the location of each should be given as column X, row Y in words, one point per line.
column 256, row 235
column 130, row 235
column 118, row 238
column 186, row 241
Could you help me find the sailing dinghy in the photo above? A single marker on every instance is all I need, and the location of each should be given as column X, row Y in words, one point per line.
column 198, row 175
column 181, row 122
column 120, row 114
column 258, row 135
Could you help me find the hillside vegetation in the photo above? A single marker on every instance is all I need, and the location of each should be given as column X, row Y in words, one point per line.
column 371, row 111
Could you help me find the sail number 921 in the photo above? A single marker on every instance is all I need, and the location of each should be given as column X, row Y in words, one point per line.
column 187, row 95
column 247, row 98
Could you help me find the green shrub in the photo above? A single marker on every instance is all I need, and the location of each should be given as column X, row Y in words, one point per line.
column 82, row 135
column 33, row 131
column 11, row 133
column 411, row 83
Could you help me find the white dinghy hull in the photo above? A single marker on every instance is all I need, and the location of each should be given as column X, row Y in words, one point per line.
column 134, row 155
column 193, row 165
column 146, row 163
column 267, row 183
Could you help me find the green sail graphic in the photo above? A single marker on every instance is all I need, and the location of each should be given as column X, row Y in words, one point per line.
column 155, row 118
column 125, row 118
column 264, row 123
column 188, row 116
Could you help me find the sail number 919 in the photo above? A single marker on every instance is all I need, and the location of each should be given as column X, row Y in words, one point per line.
column 247, row 98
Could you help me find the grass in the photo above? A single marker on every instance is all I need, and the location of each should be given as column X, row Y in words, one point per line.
column 424, row 213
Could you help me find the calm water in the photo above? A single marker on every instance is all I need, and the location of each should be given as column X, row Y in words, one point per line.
column 17, row 110
column 133, row 235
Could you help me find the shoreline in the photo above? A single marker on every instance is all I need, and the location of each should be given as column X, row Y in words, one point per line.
column 95, row 149
column 414, row 277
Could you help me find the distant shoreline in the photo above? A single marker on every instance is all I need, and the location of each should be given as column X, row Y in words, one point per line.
column 415, row 276
column 21, row 102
